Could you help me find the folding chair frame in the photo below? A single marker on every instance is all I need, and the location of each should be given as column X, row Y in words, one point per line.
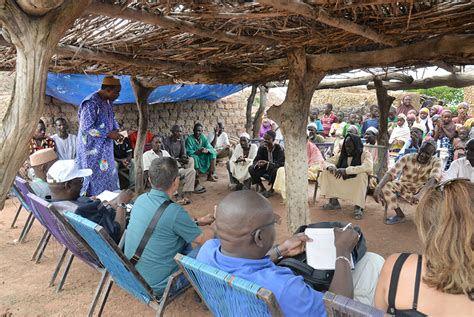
column 263, row 294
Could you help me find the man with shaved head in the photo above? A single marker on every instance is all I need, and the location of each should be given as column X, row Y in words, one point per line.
column 245, row 225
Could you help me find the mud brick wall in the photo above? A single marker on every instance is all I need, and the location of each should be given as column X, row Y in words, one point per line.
column 230, row 111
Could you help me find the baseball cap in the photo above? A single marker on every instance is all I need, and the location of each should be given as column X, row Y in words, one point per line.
column 42, row 156
column 66, row 170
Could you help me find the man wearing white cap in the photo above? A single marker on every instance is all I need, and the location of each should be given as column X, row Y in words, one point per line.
column 239, row 163
column 65, row 181
column 97, row 131
column 40, row 162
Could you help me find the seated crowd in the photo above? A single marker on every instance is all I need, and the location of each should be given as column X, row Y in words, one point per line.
column 239, row 236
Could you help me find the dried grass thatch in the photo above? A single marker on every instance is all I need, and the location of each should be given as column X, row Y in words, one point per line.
column 232, row 41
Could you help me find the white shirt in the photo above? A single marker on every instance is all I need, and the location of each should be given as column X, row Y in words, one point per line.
column 150, row 155
column 460, row 168
column 65, row 148
column 221, row 142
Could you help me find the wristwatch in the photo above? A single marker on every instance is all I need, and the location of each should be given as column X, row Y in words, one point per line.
column 278, row 252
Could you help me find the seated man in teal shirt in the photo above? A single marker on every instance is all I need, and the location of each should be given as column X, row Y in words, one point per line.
column 245, row 226
column 174, row 232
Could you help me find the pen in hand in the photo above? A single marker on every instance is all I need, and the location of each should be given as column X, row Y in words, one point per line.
column 347, row 226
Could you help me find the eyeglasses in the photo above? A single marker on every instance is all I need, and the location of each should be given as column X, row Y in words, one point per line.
column 442, row 185
column 276, row 220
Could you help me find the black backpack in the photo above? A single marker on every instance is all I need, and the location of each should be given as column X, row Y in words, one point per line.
column 320, row 280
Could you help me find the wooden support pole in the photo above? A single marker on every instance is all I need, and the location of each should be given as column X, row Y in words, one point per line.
column 292, row 116
column 364, row 80
column 34, row 39
column 257, row 120
column 141, row 97
column 248, row 112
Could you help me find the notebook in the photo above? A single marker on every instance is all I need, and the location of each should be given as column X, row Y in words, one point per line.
column 321, row 252
column 107, row 195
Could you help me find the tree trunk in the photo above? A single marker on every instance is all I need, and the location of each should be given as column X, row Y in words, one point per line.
column 34, row 40
column 292, row 116
column 248, row 113
column 257, row 120
column 141, row 96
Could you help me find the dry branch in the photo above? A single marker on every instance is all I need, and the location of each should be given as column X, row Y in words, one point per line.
column 322, row 16
column 99, row 8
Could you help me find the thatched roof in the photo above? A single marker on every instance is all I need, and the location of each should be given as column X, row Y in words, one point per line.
column 236, row 41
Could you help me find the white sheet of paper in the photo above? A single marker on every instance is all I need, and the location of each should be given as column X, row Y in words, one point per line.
column 107, row 195
column 321, row 252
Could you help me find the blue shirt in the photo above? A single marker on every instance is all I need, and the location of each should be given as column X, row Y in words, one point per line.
column 370, row 123
column 173, row 233
column 406, row 149
column 294, row 296
column 319, row 125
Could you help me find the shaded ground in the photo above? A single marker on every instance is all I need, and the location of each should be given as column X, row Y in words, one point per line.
column 24, row 285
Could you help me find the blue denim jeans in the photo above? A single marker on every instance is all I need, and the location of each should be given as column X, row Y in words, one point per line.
column 181, row 282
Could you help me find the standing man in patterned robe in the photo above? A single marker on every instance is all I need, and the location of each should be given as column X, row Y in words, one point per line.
column 97, row 131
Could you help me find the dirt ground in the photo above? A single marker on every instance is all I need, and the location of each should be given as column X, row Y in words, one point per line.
column 24, row 285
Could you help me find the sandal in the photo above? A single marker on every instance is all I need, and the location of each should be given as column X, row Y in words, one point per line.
column 330, row 206
column 211, row 178
column 358, row 213
column 268, row 193
column 394, row 220
column 184, row 201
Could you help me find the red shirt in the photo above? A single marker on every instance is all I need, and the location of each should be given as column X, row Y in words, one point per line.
column 133, row 140
column 44, row 144
column 327, row 121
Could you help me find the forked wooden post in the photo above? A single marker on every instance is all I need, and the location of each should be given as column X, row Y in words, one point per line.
column 292, row 116
column 141, row 96
column 34, row 27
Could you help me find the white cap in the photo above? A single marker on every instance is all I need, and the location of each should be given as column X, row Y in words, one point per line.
column 66, row 170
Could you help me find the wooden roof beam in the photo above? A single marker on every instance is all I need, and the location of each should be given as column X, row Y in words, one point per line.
column 458, row 80
column 322, row 16
column 363, row 80
column 115, row 58
column 110, row 10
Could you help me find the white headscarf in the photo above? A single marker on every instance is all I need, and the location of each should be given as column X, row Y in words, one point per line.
column 244, row 135
column 400, row 133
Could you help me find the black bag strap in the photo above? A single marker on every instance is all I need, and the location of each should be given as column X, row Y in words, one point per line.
column 392, row 291
column 149, row 230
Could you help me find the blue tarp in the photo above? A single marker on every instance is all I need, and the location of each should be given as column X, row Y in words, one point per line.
column 73, row 88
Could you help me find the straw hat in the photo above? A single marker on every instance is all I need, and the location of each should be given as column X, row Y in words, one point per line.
column 43, row 156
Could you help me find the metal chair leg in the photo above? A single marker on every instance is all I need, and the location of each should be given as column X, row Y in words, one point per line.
column 106, row 296
column 58, row 267
column 26, row 228
column 16, row 216
column 98, row 292
column 40, row 255
column 39, row 246
column 66, row 271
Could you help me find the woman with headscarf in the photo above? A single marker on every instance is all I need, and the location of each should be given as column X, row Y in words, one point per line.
column 444, row 133
column 436, row 110
column 239, row 163
column 400, row 134
column 314, row 159
column 265, row 127
column 463, row 113
column 346, row 176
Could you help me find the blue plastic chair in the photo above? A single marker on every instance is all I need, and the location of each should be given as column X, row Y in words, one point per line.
column 21, row 189
column 338, row 305
column 225, row 294
column 120, row 269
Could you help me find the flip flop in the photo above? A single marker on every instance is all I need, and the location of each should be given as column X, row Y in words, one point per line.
column 184, row 201
column 330, row 206
column 199, row 191
column 268, row 194
column 394, row 220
